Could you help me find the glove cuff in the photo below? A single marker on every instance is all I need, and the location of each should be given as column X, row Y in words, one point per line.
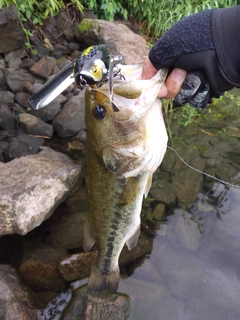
column 226, row 33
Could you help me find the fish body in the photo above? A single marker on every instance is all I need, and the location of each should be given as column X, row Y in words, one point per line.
column 124, row 148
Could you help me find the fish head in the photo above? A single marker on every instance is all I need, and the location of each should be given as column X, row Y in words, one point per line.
column 125, row 141
column 92, row 65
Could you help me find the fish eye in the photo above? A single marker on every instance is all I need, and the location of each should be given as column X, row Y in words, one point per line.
column 99, row 112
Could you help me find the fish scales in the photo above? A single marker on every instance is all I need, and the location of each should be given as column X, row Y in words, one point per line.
column 121, row 156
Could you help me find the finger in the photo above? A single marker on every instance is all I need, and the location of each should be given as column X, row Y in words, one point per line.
column 174, row 82
column 148, row 70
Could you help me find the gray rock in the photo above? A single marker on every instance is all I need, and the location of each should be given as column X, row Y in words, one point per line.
column 49, row 112
column 163, row 191
column 70, row 119
column 16, row 79
column 6, row 97
column 183, row 230
column 22, row 99
column 67, row 232
column 14, row 297
column 21, row 146
column 32, row 187
column 13, row 58
column 35, row 126
column 7, row 120
column 131, row 46
column 12, row 35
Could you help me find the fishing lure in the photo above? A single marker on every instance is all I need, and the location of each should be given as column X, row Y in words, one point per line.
column 91, row 67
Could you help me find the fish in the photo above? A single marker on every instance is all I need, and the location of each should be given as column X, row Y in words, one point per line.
column 124, row 149
column 91, row 67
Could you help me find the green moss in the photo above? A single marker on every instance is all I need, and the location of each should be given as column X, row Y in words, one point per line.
column 85, row 26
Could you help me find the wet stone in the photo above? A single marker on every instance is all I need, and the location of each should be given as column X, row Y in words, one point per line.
column 163, row 191
column 183, row 230
column 158, row 212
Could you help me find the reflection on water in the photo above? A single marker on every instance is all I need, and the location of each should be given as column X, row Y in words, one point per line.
column 193, row 271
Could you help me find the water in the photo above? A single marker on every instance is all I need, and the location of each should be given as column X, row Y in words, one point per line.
column 194, row 264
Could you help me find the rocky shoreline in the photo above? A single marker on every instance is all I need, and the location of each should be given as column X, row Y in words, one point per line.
column 42, row 161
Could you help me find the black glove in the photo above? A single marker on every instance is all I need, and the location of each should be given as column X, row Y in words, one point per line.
column 207, row 46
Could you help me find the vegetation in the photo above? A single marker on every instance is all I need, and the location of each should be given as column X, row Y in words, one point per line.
column 153, row 16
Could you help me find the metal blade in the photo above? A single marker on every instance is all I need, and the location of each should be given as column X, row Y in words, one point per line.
column 52, row 88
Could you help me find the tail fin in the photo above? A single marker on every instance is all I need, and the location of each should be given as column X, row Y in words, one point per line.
column 99, row 281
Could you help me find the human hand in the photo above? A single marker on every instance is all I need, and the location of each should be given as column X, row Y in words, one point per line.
column 197, row 44
column 173, row 83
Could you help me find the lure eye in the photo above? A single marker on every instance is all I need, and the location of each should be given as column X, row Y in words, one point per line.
column 99, row 112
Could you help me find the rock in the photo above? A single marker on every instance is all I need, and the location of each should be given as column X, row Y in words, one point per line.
column 39, row 268
column 49, row 112
column 70, row 119
column 131, row 46
column 183, row 230
column 6, row 97
column 78, row 266
column 33, row 187
column 44, row 67
column 35, row 126
column 187, row 183
column 67, row 232
column 22, row 99
column 105, row 305
column 158, row 212
column 12, row 35
column 13, row 58
column 163, row 191
column 22, row 146
column 7, row 120
column 16, row 79
column 14, row 297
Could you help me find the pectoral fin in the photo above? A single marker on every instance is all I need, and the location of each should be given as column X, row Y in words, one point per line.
column 130, row 192
column 88, row 237
column 132, row 242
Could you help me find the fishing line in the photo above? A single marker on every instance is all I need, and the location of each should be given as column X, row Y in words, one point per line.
column 206, row 174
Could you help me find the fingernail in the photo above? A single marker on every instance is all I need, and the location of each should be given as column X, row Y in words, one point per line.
column 179, row 74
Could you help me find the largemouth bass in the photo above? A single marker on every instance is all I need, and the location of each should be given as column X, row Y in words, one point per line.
column 124, row 148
